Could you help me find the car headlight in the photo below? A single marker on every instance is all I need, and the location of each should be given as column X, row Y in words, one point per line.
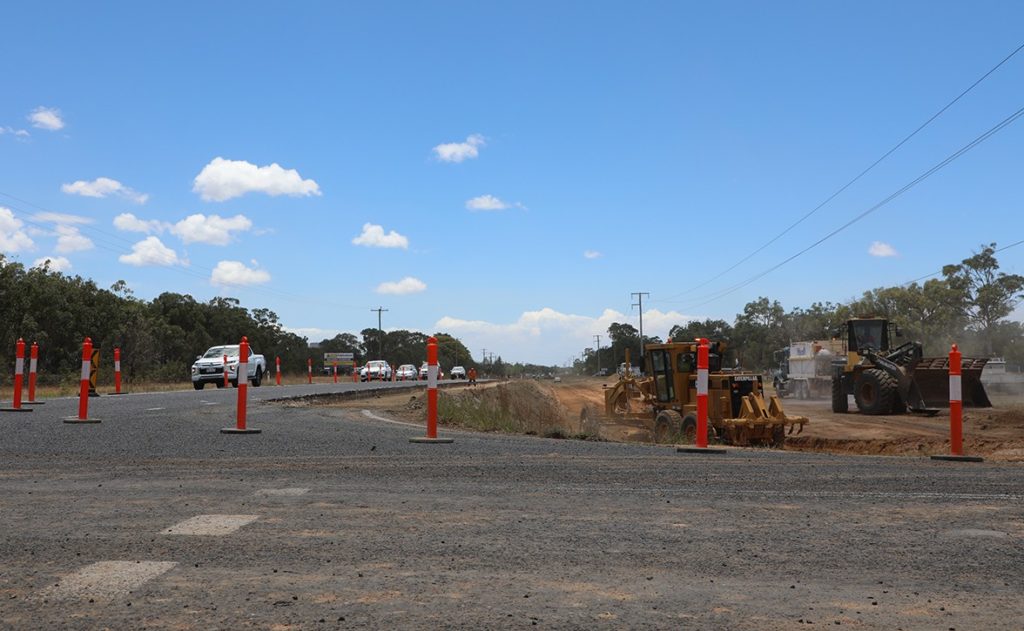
column 195, row 369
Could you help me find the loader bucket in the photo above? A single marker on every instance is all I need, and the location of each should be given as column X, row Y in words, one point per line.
column 932, row 377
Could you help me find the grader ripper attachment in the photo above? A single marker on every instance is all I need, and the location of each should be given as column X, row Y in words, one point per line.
column 665, row 402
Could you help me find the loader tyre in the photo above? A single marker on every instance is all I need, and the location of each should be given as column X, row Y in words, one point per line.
column 667, row 424
column 689, row 430
column 840, row 402
column 874, row 392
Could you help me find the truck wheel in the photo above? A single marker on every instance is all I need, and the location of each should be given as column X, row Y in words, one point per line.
column 874, row 392
column 667, row 424
column 257, row 381
column 198, row 385
column 840, row 402
column 220, row 384
column 234, row 383
column 688, row 429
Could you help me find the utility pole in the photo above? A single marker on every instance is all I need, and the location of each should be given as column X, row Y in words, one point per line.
column 380, row 334
column 483, row 352
column 597, row 338
column 640, row 303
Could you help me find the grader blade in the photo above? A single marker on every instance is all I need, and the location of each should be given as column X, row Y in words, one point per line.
column 931, row 374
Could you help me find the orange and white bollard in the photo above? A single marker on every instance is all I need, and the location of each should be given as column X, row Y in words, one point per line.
column 83, row 392
column 117, row 371
column 33, row 365
column 19, row 377
column 309, row 370
column 225, row 371
column 243, row 383
column 335, row 370
column 956, row 410
column 431, row 436
column 703, row 352
column 277, row 369
column 355, row 373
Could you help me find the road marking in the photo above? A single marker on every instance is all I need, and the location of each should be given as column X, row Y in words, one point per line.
column 209, row 403
column 204, row 525
column 286, row 492
column 377, row 417
column 154, row 409
column 107, row 579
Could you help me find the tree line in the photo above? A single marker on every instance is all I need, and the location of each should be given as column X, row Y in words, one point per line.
column 968, row 305
column 160, row 338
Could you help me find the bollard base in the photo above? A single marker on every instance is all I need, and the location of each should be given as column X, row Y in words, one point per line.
column 959, row 458
column 74, row 420
column 235, row 430
column 34, row 403
column 699, row 450
column 115, row 394
column 16, row 409
column 428, row 440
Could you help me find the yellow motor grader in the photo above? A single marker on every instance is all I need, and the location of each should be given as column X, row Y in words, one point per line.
column 665, row 401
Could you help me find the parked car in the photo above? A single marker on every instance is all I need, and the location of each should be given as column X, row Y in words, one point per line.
column 406, row 372
column 209, row 367
column 423, row 371
column 375, row 370
column 458, row 372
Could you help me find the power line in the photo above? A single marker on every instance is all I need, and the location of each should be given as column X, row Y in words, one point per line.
column 854, row 180
column 948, row 160
column 996, row 251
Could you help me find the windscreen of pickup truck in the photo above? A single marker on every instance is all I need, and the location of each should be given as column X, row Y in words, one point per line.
column 221, row 351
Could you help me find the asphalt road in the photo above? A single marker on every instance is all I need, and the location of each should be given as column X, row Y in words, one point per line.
column 331, row 518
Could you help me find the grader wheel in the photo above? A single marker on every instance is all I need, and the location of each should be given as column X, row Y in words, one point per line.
column 666, row 425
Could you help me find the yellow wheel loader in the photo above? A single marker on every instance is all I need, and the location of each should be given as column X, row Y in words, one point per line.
column 887, row 380
column 665, row 401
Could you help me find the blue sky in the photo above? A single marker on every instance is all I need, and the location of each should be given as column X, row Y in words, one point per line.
column 523, row 167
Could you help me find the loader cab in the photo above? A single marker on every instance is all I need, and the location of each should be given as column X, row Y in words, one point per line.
column 660, row 368
column 666, row 361
column 870, row 333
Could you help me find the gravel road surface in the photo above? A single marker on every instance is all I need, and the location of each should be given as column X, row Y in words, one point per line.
column 331, row 518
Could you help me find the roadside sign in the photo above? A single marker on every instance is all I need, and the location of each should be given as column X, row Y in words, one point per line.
column 338, row 358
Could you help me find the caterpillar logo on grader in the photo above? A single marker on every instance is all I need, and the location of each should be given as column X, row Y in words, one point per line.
column 665, row 402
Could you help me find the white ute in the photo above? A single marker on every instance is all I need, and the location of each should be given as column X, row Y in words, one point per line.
column 209, row 367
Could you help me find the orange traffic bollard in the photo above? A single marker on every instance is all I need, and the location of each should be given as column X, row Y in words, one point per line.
column 956, row 439
column 335, row 372
column 355, row 373
column 117, row 371
column 431, row 436
column 703, row 351
column 225, row 371
column 19, row 376
column 83, row 392
column 33, row 365
column 243, row 382
column 277, row 369
column 309, row 370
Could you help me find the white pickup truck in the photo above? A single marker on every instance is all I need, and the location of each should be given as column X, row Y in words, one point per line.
column 209, row 367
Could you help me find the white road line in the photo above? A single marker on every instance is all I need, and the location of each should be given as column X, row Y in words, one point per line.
column 154, row 409
column 285, row 492
column 107, row 579
column 211, row 525
column 377, row 417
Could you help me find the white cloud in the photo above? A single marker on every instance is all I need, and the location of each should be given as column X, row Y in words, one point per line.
column 46, row 118
column 459, row 151
column 12, row 238
column 221, row 180
column 490, row 202
column 591, row 254
column 407, row 285
column 373, row 236
column 210, row 229
column 17, row 133
column 103, row 187
column 69, row 239
column 57, row 263
column 151, row 251
column 236, row 273
column 130, row 223
column 882, row 249
column 62, row 218
column 549, row 336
